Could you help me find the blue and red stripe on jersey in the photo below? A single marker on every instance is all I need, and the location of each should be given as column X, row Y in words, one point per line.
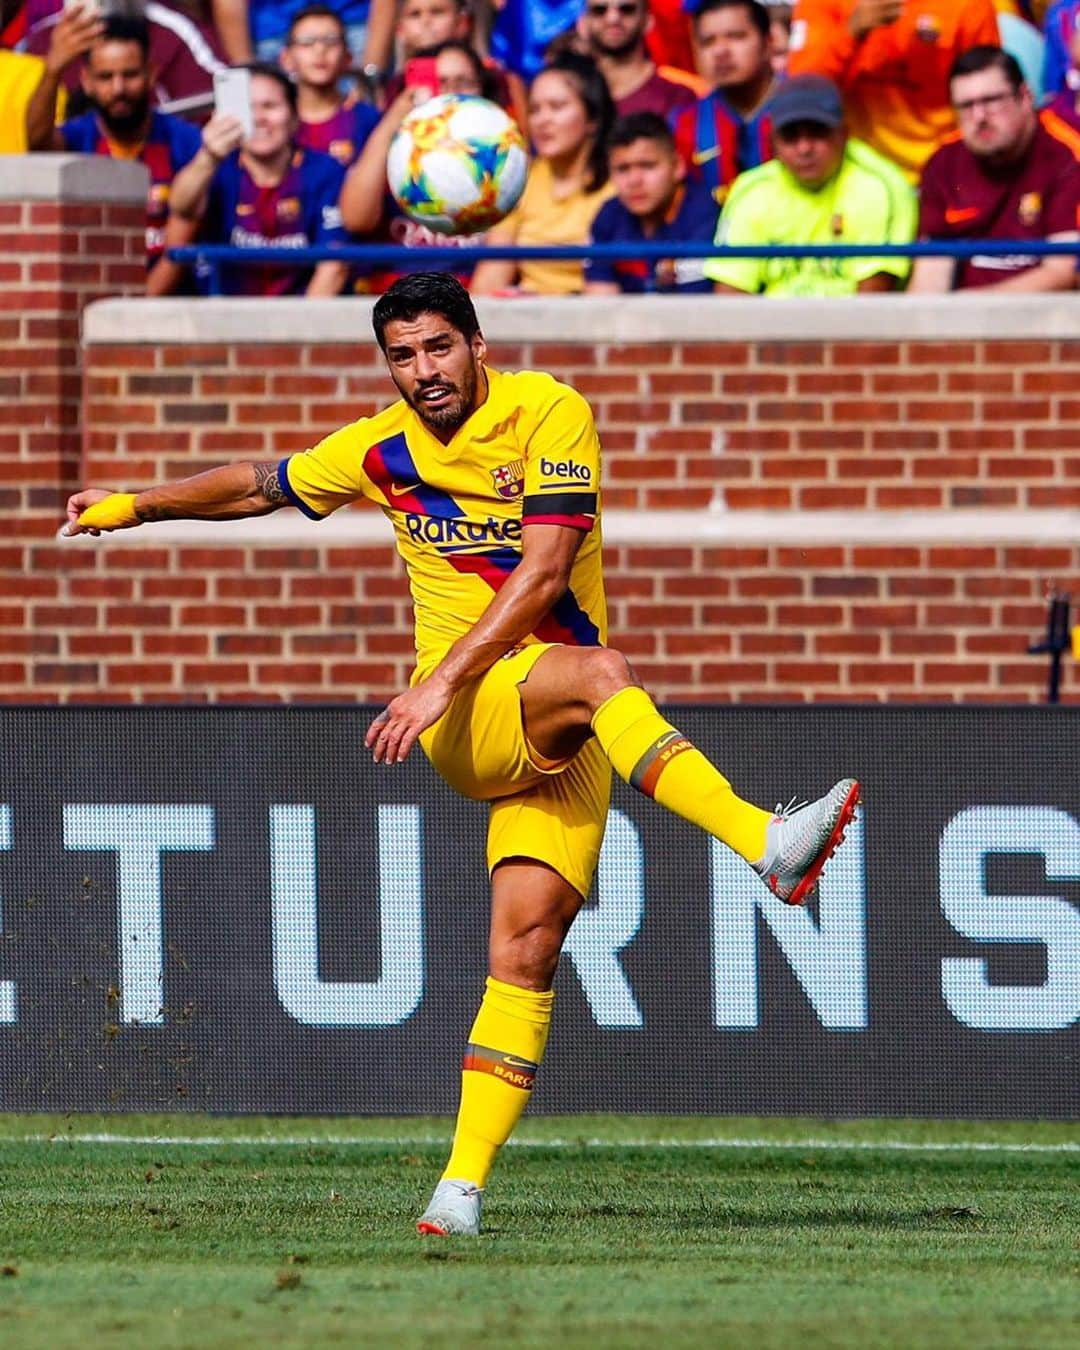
column 565, row 622
column 392, row 469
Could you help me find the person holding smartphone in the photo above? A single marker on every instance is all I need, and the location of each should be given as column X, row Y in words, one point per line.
column 368, row 209
column 264, row 191
column 117, row 79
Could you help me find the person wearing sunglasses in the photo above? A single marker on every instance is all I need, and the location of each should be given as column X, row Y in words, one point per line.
column 614, row 34
column 1006, row 177
column 316, row 55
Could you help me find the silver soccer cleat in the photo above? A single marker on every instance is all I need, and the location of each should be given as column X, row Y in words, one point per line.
column 454, row 1209
column 800, row 840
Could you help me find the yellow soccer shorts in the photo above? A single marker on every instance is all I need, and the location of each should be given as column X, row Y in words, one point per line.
column 553, row 813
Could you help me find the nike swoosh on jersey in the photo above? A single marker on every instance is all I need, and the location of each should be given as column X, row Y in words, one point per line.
column 956, row 215
column 398, row 490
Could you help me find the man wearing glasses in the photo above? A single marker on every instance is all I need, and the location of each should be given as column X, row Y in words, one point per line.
column 615, row 33
column 1006, row 177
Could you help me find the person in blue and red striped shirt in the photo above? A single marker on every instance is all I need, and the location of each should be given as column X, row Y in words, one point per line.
column 654, row 201
column 729, row 131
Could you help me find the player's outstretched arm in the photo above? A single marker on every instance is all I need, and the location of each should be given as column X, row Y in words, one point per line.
column 233, row 492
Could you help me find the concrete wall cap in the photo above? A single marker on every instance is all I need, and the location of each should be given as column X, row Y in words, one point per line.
column 965, row 316
column 72, row 178
column 620, row 528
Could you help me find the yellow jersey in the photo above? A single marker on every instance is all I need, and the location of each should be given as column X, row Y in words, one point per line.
column 529, row 454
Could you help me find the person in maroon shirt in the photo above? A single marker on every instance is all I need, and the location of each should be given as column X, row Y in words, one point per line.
column 614, row 33
column 1005, row 177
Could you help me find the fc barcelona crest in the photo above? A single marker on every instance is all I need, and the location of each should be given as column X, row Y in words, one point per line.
column 509, row 479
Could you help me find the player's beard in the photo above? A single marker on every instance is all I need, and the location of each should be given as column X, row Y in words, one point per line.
column 450, row 415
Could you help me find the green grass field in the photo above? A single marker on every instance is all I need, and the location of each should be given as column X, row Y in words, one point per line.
column 601, row 1231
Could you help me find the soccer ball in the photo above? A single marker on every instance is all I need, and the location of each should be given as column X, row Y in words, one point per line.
column 457, row 164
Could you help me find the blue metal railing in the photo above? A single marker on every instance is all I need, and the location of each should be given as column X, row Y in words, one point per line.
column 210, row 258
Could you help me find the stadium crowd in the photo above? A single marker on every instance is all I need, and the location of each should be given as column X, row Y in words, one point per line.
column 829, row 121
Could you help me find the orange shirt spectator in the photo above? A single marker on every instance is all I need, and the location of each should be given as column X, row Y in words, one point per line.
column 891, row 61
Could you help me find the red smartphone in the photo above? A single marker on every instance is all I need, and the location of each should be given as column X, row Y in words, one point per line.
column 421, row 72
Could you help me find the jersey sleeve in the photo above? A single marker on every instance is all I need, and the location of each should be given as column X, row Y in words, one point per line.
column 562, row 464
column 80, row 134
column 932, row 201
column 328, row 228
column 319, row 480
column 603, row 232
column 737, row 227
column 897, row 222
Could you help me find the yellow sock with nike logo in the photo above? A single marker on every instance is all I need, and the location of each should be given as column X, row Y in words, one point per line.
column 659, row 761
column 505, row 1048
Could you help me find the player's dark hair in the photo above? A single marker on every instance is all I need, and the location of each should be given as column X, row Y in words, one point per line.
column 316, row 12
column 271, row 72
column 988, row 57
column 126, row 28
column 759, row 15
column 584, row 74
column 425, row 293
column 485, row 77
column 640, row 126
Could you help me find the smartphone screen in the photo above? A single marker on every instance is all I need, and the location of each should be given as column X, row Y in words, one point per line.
column 232, row 95
column 421, row 72
column 88, row 6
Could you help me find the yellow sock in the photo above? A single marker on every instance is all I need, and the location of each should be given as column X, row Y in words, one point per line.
column 505, row 1048
column 660, row 762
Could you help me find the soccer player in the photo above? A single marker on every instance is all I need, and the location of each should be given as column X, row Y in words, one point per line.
column 491, row 483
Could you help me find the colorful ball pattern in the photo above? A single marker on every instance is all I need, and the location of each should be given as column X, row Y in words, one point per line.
column 457, row 164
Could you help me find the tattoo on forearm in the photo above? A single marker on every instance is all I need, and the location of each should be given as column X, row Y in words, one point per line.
column 268, row 483
column 149, row 514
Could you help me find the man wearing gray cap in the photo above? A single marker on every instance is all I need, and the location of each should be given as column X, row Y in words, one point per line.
column 823, row 187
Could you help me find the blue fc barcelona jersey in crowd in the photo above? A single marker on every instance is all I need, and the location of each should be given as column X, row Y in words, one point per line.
column 342, row 136
column 691, row 216
column 170, row 142
column 717, row 144
column 1062, row 19
column 302, row 210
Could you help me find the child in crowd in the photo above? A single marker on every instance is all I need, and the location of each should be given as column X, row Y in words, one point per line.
column 653, row 202
column 316, row 56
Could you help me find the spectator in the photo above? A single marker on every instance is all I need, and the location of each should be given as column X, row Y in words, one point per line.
column 892, row 62
column 1064, row 109
column 116, row 79
column 614, row 31
column 653, row 202
column 570, row 116
column 1061, row 58
column 184, row 47
column 669, row 37
column 823, row 187
column 368, row 209
column 369, row 28
column 265, row 191
column 316, row 57
column 728, row 130
column 427, row 24
column 20, row 75
column 779, row 35
column 523, row 30
column 1006, row 177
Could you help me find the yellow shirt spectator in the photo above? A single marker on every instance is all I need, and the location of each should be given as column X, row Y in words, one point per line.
column 20, row 75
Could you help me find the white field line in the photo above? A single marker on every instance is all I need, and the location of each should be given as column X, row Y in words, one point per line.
column 405, row 1141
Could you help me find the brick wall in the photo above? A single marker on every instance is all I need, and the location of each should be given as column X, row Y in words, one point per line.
column 865, row 514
